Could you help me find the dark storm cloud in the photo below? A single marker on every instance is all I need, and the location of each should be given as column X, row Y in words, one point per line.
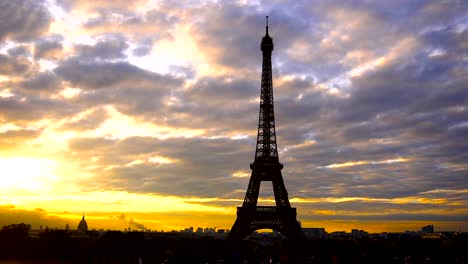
column 222, row 89
column 420, row 85
column 98, row 75
column 218, row 104
column 407, row 102
column 138, row 93
column 90, row 121
column 296, row 105
column 49, row 48
column 143, row 48
column 230, row 97
column 33, row 108
column 162, row 99
column 111, row 47
column 19, row 51
column 14, row 65
column 34, row 95
column 194, row 172
column 229, row 40
column 105, row 78
column 334, row 35
column 23, row 19
column 44, row 81
column 322, row 39
column 152, row 25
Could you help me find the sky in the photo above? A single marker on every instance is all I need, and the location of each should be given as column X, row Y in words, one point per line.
column 144, row 113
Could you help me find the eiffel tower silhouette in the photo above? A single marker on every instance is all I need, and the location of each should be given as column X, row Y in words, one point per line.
column 266, row 167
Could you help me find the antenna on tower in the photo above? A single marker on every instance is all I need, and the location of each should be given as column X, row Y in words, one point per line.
column 267, row 25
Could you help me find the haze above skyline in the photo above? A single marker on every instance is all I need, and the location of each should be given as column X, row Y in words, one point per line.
column 145, row 112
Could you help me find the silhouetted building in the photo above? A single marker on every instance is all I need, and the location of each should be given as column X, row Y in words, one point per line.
column 314, row 232
column 356, row 233
column 339, row 234
column 83, row 226
column 188, row 230
column 427, row 229
column 208, row 230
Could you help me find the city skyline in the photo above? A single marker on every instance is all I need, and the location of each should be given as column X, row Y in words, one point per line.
column 145, row 113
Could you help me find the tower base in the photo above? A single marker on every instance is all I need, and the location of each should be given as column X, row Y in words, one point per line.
column 279, row 219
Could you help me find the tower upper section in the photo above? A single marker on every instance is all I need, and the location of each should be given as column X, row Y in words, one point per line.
column 266, row 151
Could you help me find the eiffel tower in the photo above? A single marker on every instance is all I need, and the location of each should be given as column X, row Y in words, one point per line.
column 266, row 167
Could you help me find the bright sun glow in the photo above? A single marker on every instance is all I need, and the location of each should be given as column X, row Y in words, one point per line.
column 31, row 174
column 121, row 126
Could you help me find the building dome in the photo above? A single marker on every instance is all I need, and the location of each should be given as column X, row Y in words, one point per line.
column 83, row 226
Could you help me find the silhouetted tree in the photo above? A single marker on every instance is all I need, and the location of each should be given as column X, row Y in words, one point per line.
column 16, row 232
column 14, row 238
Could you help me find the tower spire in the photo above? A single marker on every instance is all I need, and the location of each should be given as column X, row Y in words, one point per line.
column 266, row 150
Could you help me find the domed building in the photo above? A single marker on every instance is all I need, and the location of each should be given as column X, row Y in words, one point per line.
column 83, row 226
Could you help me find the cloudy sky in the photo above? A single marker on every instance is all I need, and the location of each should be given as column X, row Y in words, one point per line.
column 145, row 112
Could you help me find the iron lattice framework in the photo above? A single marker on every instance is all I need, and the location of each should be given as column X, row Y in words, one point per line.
column 266, row 167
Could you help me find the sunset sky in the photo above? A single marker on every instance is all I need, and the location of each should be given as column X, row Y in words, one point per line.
column 145, row 112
